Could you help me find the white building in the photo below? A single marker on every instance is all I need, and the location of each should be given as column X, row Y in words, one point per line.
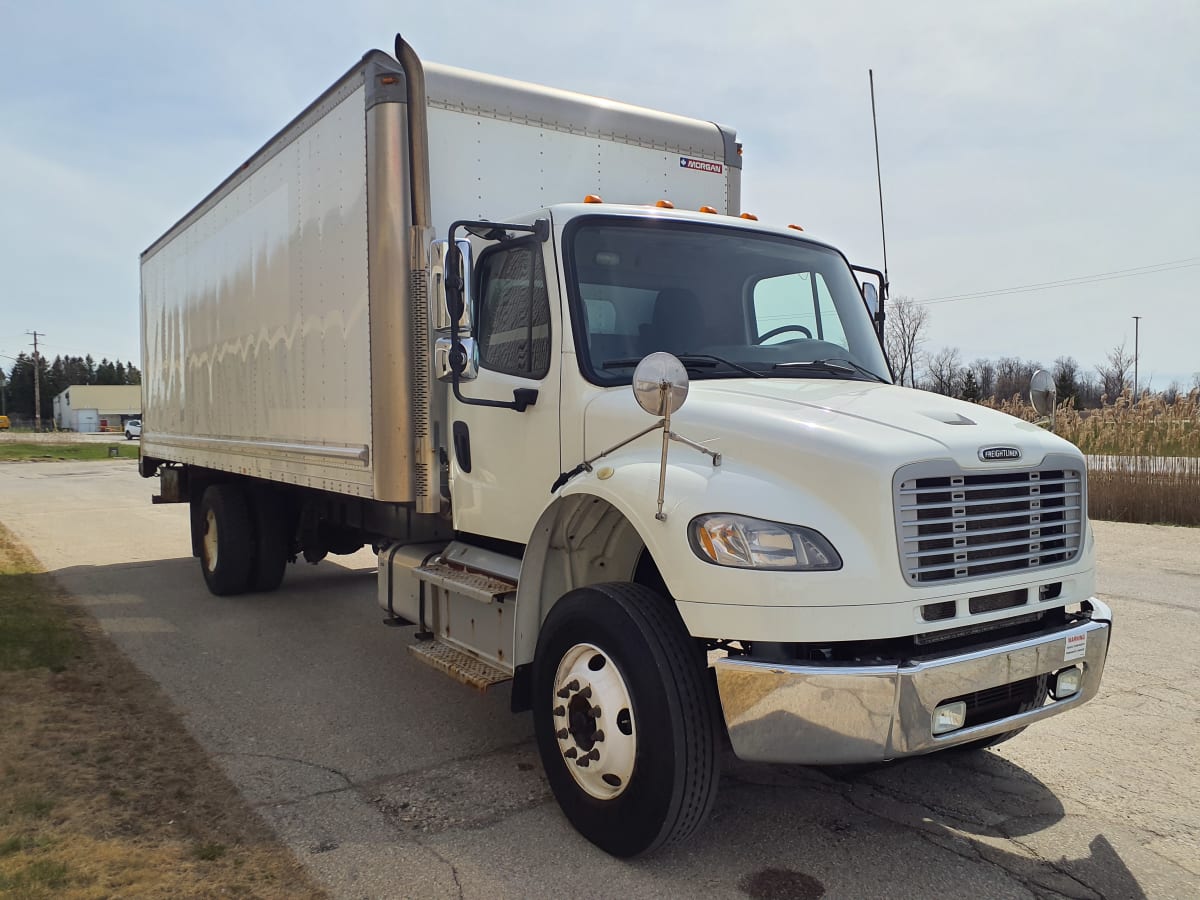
column 97, row 407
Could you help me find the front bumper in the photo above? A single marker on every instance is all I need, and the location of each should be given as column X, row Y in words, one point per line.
column 826, row 714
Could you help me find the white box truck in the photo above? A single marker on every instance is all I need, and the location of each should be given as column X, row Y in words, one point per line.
column 424, row 317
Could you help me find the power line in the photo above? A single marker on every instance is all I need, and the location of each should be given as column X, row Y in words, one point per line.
column 1154, row 268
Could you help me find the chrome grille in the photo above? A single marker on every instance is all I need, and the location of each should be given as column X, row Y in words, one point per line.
column 953, row 525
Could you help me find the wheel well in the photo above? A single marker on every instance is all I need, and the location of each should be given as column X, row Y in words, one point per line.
column 579, row 541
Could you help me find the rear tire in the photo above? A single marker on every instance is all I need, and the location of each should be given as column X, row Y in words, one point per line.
column 626, row 719
column 273, row 541
column 227, row 539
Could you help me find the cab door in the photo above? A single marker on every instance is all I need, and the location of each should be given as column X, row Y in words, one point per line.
column 503, row 462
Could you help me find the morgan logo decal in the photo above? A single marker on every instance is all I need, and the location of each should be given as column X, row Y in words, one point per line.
column 700, row 165
column 991, row 454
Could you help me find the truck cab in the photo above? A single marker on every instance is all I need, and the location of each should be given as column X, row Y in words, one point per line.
column 871, row 571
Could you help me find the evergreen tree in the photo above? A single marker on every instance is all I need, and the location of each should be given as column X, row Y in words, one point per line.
column 970, row 387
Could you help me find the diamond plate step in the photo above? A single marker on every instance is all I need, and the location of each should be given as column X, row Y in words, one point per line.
column 476, row 585
column 458, row 665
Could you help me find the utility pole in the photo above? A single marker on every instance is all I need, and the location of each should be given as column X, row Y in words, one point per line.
column 1137, row 321
column 37, row 383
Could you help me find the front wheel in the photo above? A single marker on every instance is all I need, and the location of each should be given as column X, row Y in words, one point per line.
column 625, row 718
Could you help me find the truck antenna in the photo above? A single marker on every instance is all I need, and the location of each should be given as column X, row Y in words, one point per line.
column 878, row 177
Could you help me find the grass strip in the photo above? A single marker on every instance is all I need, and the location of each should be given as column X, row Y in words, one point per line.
column 15, row 450
column 103, row 793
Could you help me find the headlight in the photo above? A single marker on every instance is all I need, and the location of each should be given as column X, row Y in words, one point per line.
column 739, row 541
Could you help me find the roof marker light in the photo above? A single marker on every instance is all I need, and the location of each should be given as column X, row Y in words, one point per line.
column 796, row 227
column 709, row 209
column 592, row 198
column 751, row 216
column 665, row 204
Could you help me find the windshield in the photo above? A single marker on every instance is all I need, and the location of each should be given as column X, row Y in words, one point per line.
column 732, row 299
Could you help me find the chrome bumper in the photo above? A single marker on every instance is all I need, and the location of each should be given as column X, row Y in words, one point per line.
column 831, row 714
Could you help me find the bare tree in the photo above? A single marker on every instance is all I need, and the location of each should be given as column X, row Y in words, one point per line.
column 944, row 371
column 1012, row 376
column 1114, row 371
column 904, row 334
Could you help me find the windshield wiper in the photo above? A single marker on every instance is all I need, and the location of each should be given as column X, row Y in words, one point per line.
column 690, row 361
column 835, row 365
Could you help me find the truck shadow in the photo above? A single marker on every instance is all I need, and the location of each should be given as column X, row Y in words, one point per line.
column 917, row 825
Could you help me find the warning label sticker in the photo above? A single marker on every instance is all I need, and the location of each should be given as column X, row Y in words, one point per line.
column 1076, row 646
column 701, row 165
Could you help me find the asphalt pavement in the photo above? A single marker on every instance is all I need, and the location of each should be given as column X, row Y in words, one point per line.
column 388, row 779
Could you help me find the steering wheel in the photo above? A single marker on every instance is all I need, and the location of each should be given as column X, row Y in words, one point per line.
column 782, row 329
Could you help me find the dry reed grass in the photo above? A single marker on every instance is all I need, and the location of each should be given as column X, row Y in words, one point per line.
column 1143, row 458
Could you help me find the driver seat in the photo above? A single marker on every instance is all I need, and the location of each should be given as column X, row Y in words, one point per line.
column 678, row 325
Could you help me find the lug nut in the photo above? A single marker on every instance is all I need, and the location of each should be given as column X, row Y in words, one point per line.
column 594, row 712
column 567, row 689
column 583, row 762
column 561, row 734
column 592, row 754
column 560, row 710
column 570, row 753
column 586, row 692
column 598, row 736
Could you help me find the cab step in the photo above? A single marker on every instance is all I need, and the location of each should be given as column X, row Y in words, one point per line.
column 476, row 585
column 459, row 665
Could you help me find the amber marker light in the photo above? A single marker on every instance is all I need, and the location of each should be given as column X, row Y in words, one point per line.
column 751, row 216
column 796, row 227
column 708, row 209
column 592, row 198
column 665, row 204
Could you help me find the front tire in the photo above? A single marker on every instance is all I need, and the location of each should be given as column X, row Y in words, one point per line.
column 625, row 718
column 227, row 540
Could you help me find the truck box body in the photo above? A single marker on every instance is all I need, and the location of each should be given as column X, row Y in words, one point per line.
column 279, row 316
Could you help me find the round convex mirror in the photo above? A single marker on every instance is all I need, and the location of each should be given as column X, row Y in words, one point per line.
column 660, row 384
column 1043, row 393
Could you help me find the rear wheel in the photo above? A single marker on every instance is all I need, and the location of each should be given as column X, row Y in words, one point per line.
column 625, row 718
column 273, row 541
column 227, row 539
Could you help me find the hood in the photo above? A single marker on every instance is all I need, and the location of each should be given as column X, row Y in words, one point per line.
column 865, row 422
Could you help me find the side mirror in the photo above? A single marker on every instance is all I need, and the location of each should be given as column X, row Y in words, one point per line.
column 1043, row 394
column 451, row 304
column 450, row 276
column 660, row 384
column 871, row 298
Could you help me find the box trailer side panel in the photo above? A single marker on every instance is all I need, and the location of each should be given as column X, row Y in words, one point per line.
column 256, row 330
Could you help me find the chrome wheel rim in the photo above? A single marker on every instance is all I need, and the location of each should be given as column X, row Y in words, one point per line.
column 593, row 721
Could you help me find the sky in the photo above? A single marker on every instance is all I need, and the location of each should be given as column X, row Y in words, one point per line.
column 1021, row 143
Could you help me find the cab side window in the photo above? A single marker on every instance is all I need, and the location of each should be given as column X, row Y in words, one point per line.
column 513, row 333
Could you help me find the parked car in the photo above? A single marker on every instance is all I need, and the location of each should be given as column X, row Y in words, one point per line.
column 4, row 423
column 133, row 428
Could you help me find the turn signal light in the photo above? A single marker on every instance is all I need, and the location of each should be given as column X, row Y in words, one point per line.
column 708, row 209
column 592, row 198
column 751, row 216
column 665, row 204
column 796, row 227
